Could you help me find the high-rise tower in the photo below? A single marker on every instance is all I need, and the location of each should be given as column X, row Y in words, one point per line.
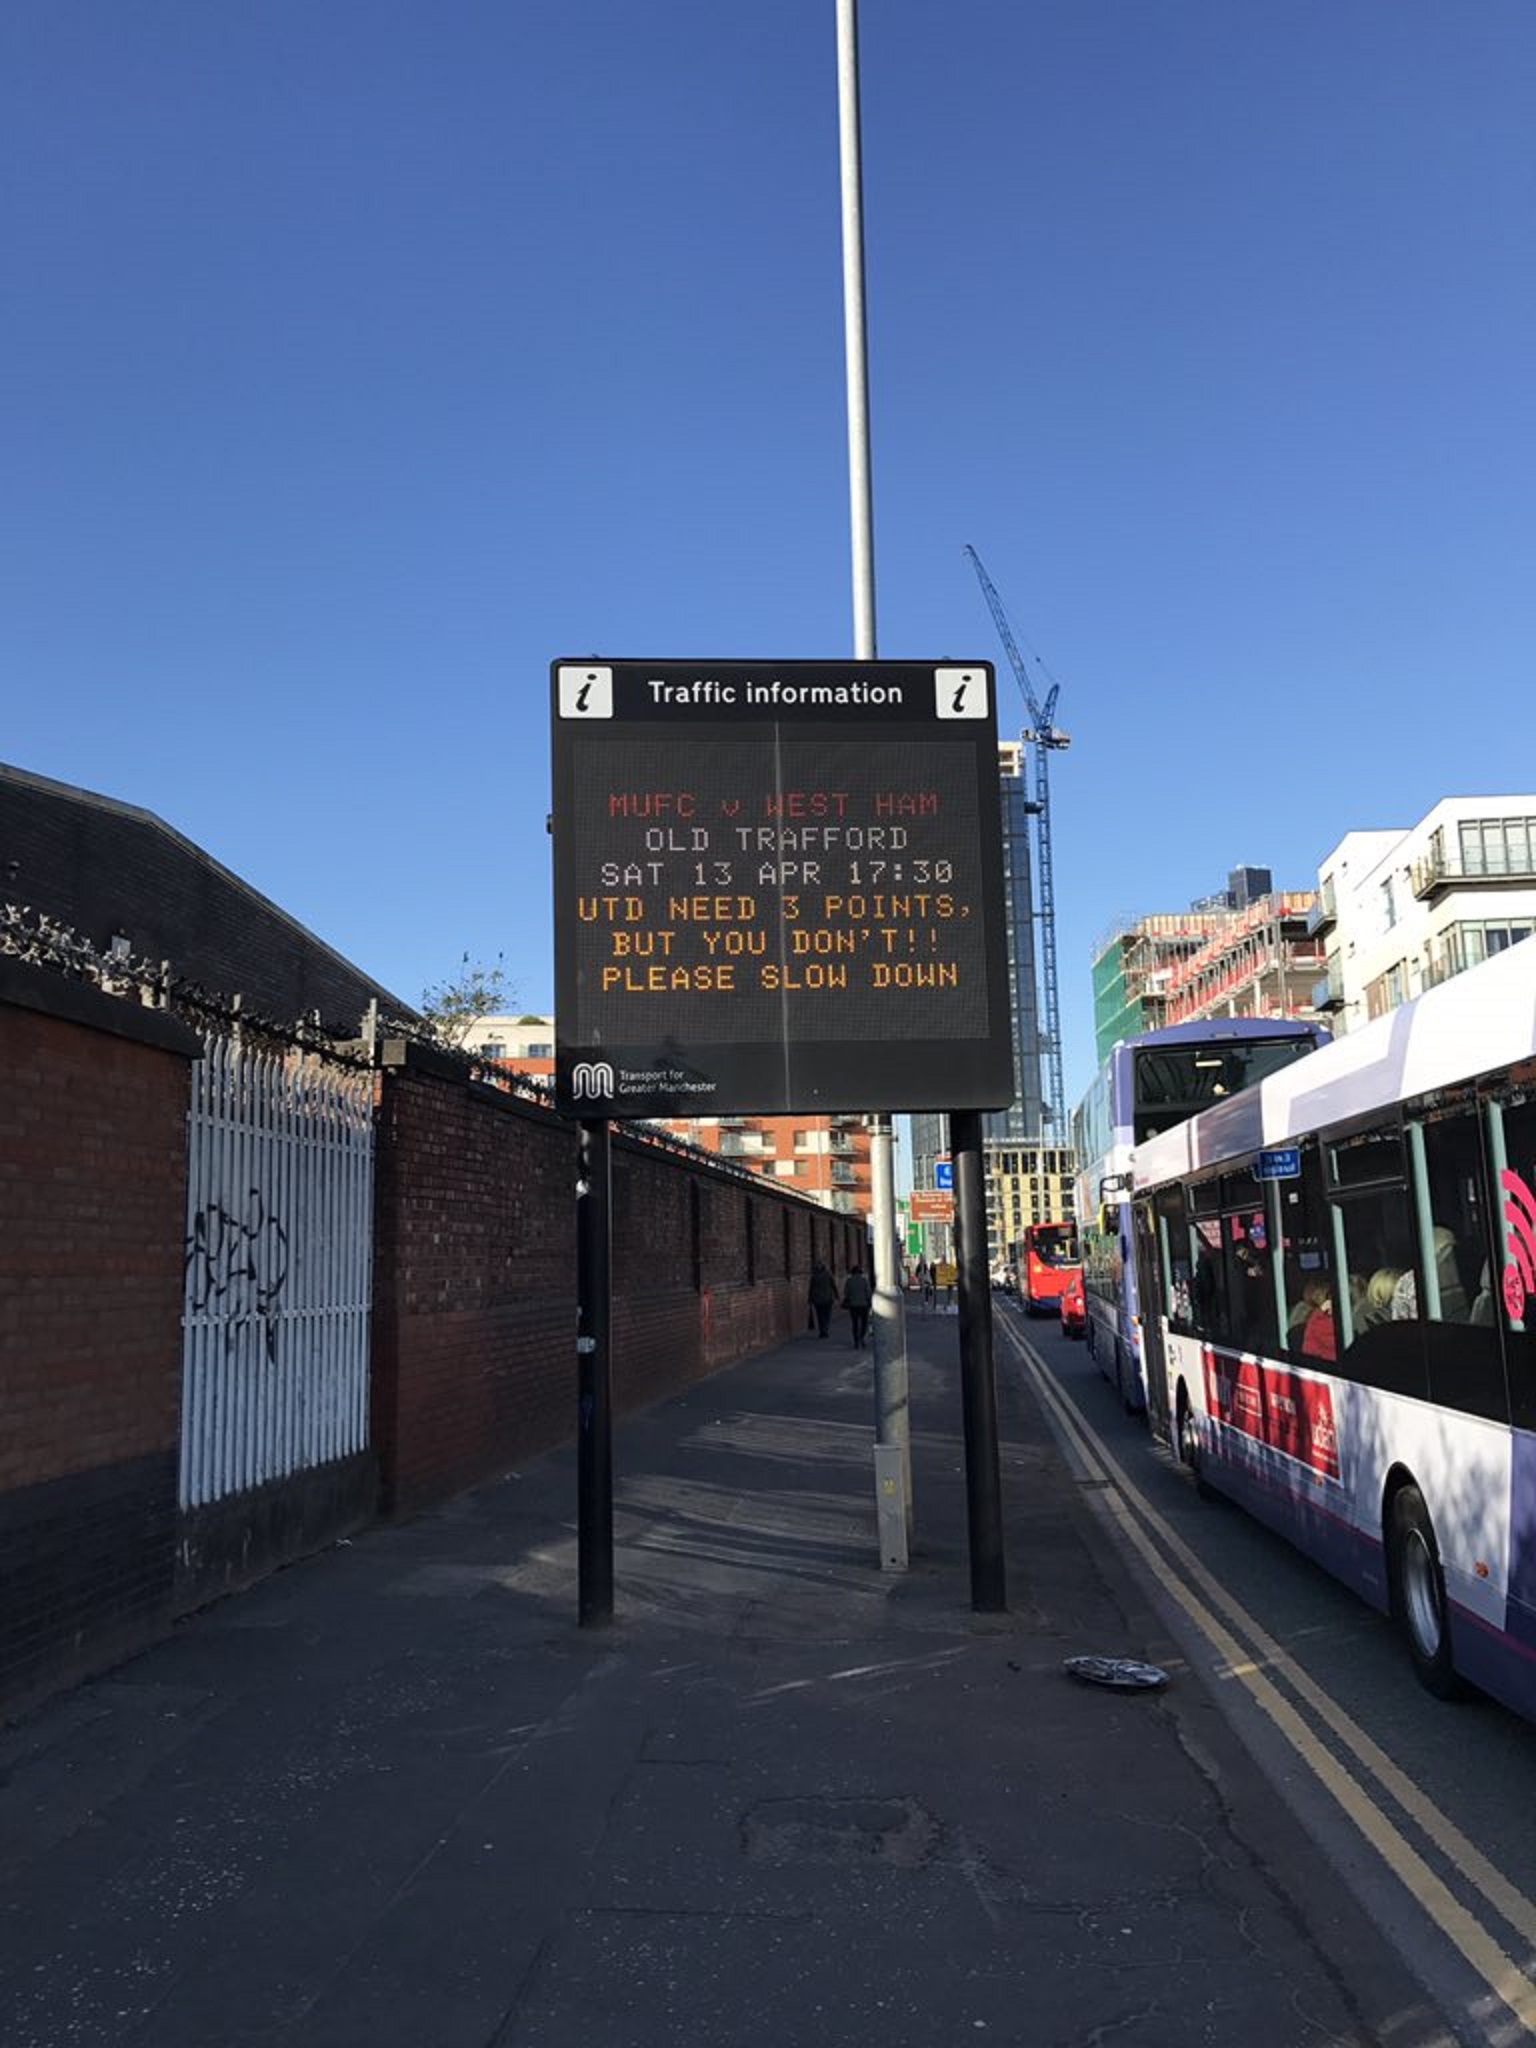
column 1025, row 1119
column 1022, row 1123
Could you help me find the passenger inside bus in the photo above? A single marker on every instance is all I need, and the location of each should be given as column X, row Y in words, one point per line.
column 1378, row 1297
column 1254, row 1307
column 1210, row 1286
column 1318, row 1338
column 1454, row 1307
column 1301, row 1291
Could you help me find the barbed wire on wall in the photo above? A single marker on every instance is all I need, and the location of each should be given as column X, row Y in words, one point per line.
column 32, row 936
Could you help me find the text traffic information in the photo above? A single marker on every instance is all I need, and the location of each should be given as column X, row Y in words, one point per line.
column 777, row 887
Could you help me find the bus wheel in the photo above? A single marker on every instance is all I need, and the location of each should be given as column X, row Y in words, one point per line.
column 1418, row 1593
column 1187, row 1441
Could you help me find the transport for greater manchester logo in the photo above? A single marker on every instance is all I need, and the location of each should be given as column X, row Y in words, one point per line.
column 591, row 1081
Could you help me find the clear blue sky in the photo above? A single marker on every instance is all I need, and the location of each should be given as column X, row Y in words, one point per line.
column 359, row 358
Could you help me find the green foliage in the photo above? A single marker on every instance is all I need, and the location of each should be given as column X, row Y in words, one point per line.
column 451, row 1007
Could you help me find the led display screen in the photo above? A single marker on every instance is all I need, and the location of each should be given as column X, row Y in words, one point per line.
column 778, row 887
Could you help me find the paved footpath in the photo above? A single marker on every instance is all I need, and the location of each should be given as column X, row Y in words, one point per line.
column 396, row 1798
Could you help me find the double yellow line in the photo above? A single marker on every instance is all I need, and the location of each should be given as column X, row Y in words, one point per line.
column 1254, row 1660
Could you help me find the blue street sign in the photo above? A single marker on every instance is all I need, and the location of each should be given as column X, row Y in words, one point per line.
column 1283, row 1162
column 944, row 1174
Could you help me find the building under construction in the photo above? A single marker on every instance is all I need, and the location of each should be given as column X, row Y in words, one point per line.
column 1263, row 964
column 1243, row 953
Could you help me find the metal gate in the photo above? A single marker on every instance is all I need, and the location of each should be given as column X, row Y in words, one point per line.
column 279, row 1257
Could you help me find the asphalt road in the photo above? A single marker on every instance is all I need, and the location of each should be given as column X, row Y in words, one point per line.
column 1425, row 1808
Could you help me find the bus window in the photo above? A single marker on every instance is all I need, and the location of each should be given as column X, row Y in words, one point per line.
column 1512, row 1156
column 1251, row 1277
column 1177, row 1080
column 1207, row 1266
column 1054, row 1244
column 1366, row 1157
column 1466, row 1369
column 1372, row 1225
column 1306, row 1268
column 1208, row 1287
column 1173, row 1244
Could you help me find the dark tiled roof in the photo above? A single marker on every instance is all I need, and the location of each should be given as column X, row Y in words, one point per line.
column 107, row 868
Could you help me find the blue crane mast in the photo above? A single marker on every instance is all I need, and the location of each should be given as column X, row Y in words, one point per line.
column 1047, row 739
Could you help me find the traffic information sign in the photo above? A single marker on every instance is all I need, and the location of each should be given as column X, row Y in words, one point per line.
column 931, row 1205
column 778, row 886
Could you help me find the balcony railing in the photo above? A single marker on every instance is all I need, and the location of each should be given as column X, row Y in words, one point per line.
column 1328, row 994
column 1436, row 873
column 1324, row 913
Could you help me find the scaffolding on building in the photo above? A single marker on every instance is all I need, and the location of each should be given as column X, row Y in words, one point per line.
column 1263, row 962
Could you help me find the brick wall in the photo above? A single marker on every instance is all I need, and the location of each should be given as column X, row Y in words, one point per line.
column 473, row 1251
column 474, row 1360
column 92, row 1221
column 474, row 1321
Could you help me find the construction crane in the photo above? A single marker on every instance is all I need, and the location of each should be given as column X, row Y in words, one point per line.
column 1047, row 739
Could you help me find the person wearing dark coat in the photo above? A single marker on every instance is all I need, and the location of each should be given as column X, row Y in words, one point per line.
column 821, row 1295
column 858, row 1297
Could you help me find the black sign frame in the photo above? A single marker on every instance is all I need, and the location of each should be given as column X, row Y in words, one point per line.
column 778, row 888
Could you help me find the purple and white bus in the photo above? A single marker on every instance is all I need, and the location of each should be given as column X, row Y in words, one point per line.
column 1147, row 1084
column 1338, row 1280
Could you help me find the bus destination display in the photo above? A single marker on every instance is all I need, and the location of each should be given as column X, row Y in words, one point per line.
column 778, row 887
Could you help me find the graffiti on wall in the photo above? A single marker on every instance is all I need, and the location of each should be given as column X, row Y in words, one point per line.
column 237, row 1269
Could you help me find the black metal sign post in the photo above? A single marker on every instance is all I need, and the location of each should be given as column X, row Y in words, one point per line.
column 594, row 1378
column 983, row 1484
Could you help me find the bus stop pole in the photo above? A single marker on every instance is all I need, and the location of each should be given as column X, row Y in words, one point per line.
column 983, row 1483
column 594, row 1377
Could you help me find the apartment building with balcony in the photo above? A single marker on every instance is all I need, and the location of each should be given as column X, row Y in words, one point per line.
column 1401, row 909
column 826, row 1158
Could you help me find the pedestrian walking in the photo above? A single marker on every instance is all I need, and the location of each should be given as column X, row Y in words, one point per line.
column 821, row 1296
column 858, row 1297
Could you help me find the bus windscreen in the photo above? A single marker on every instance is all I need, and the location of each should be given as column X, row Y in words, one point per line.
column 1175, row 1081
column 1054, row 1244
